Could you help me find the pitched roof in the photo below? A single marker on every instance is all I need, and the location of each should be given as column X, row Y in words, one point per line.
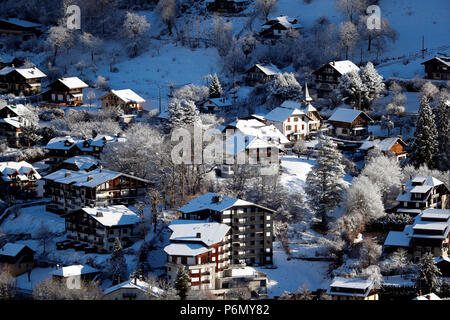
column 253, row 127
column 12, row 249
column 197, row 231
column 18, row 109
column 399, row 238
column 267, row 69
column 73, row 83
column 344, row 66
column 126, row 95
column 117, row 215
column 443, row 59
column 362, row 285
column 427, row 181
column 185, row 249
column 208, row 202
column 27, row 73
column 83, row 162
column 280, row 114
column 347, row 115
column 22, row 23
column 22, row 169
column 134, row 284
column 74, row 270
column 221, row 102
column 426, row 297
column 383, row 144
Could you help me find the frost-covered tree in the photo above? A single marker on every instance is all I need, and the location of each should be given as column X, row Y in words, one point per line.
column 168, row 11
column 397, row 105
column 373, row 84
column 197, row 94
column 117, row 263
column 398, row 263
column 182, row 113
column 182, row 283
column 365, row 197
column 134, row 31
column 369, row 253
column 284, row 86
column 428, row 91
column 222, row 35
column 90, row 98
column 385, row 173
column 324, row 183
column 379, row 35
column 7, row 285
column 351, row 88
column 265, row 7
column 442, row 119
column 59, row 37
column 348, row 36
column 215, row 88
column 350, row 8
column 427, row 279
column 423, row 146
column 91, row 43
column 50, row 289
column 234, row 62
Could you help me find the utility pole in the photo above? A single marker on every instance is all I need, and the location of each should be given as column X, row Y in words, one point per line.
column 159, row 86
column 423, row 47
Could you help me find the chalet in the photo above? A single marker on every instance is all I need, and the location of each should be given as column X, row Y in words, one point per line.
column 16, row 259
column 443, row 263
column 217, row 105
column 62, row 148
column 19, row 179
column 203, row 248
column 13, row 119
column 80, row 163
column 72, row 190
column 428, row 234
column 98, row 227
column 261, row 73
column 227, row 6
column 293, row 123
column 24, row 28
column 427, row 297
column 251, row 225
column 327, row 76
column 65, row 92
column 126, row 100
column 13, row 111
column 350, row 124
column 438, row 68
column 132, row 289
column 256, row 128
column 388, row 146
column 26, row 81
column 352, row 289
column 75, row 276
column 257, row 153
column 420, row 193
column 279, row 27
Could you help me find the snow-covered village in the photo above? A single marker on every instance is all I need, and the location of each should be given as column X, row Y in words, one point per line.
column 224, row 150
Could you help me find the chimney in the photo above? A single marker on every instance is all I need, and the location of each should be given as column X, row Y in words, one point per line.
column 332, row 63
column 198, row 235
column 99, row 213
column 58, row 266
column 403, row 188
column 135, row 280
column 67, row 174
column 429, row 296
column 89, row 178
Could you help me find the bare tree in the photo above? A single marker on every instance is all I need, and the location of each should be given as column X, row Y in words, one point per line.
column 59, row 37
column 265, row 7
column 7, row 286
column 348, row 34
column 134, row 31
column 350, row 8
column 167, row 9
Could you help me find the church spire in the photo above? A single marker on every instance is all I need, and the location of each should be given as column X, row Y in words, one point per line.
column 308, row 98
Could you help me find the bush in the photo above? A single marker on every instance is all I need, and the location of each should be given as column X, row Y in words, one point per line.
column 390, row 222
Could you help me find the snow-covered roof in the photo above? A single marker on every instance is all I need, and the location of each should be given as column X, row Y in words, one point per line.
column 185, row 249
column 74, row 270
column 425, row 181
column 208, row 233
column 127, row 95
column 243, row 272
column 67, row 142
column 22, row 23
column 83, row 162
column 239, row 142
column 134, row 284
column 253, row 127
column 436, row 214
column 117, row 215
column 399, row 238
column 13, row 121
column 209, row 201
column 27, row 73
column 345, row 115
column 284, row 21
column 420, row 189
column 86, row 179
column 426, row 297
column 344, row 66
column 383, row 144
column 73, row 83
column 11, row 249
column 445, row 60
column 280, row 114
column 18, row 109
column 268, row 69
column 221, row 102
column 358, row 287
column 12, row 170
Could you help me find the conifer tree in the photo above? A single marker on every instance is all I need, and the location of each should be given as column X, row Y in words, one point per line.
column 118, row 263
column 182, row 113
column 215, row 89
column 324, row 184
column 427, row 279
column 423, row 146
column 443, row 127
column 182, row 283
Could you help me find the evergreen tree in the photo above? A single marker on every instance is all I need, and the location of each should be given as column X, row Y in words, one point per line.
column 443, row 125
column 373, row 84
column 182, row 113
column 182, row 283
column 427, row 277
column 324, row 184
column 118, row 263
column 215, row 89
column 351, row 88
column 423, row 146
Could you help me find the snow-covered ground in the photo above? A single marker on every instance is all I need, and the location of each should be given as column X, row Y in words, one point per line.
column 292, row 274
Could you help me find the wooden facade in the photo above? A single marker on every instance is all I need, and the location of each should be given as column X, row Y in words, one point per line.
column 14, row 82
column 19, row 263
column 63, row 95
column 437, row 68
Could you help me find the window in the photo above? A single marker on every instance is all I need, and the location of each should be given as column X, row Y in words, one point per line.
column 288, row 127
column 295, row 119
